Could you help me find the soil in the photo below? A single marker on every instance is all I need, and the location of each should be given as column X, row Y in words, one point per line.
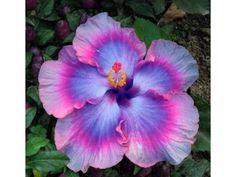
column 194, row 34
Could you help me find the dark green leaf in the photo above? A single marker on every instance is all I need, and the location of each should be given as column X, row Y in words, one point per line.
column 141, row 8
column 193, row 6
column 52, row 17
column 34, row 144
column 204, row 111
column 159, row 6
column 28, row 173
column 44, row 120
column 70, row 173
column 111, row 173
column 69, row 38
column 45, row 8
column 147, row 31
column 136, row 170
column 191, row 168
column 175, row 174
column 28, row 58
column 202, row 143
column 32, row 21
column 203, row 137
column 50, row 147
column 73, row 19
column 50, row 50
column 38, row 131
column 32, row 92
column 30, row 114
column 125, row 21
column 47, row 161
column 44, row 35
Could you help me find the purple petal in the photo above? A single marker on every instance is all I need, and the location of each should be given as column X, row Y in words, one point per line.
column 90, row 136
column 178, row 68
column 159, row 129
column 65, row 85
column 67, row 55
column 101, row 42
column 158, row 76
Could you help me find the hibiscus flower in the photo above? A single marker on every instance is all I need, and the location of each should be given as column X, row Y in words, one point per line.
column 112, row 98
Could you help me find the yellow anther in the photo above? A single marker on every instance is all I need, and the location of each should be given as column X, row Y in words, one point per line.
column 116, row 77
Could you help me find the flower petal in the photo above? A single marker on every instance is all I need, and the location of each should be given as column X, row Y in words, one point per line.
column 68, row 55
column 63, row 86
column 91, row 136
column 158, row 76
column 101, row 42
column 159, row 129
column 174, row 69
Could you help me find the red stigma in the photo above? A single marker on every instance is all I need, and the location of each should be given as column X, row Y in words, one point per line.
column 116, row 66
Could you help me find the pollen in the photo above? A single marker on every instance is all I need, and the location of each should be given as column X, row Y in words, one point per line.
column 116, row 76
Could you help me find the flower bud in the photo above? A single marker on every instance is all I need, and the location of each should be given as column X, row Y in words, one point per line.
column 66, row 9
column 83, row 18
column 89, row 4
column 30, row 34
column 37, row 62
column 31, row 4
column 35, row 51
column 63, row 10
column 62, row 29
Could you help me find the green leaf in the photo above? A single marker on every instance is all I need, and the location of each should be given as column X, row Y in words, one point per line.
column 193, row 6
column 28, row 58
column 32, row 21
column 28, row 173
column 50, row 147
column 44, row 120
column 73, row 19
column 158, row 5
column 49, row 51
column 44, row 35
column 70, row 173
column 203, row 137
column 37, row 173
column 32, row 92
column 38, row 131
column 141, row 8
column 191, row 168
column 34, row 144
column 147, row 31
column 136, row 170
column 202, row 143
column 30, row 114
column 204, row 112
column 52, row 17
column 47, row 161
column 111, row 173
column 125, row 21
column 175, row 174
column 45, row 8
column 69, row 38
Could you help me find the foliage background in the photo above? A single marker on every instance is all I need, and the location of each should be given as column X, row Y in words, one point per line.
column 51, row 24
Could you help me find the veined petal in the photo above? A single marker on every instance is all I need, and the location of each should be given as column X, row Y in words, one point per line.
column 102, row 42
column 67, row 84
column 92, row 136
column 67, row 55
column 168, row 67
column 159, row 129
column 157, row 75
